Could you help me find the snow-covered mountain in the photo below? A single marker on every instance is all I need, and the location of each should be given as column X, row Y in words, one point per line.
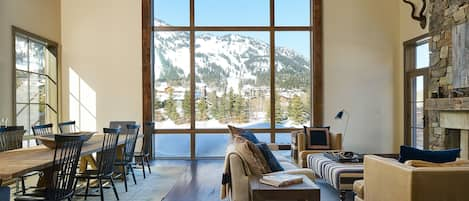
column 226, row 61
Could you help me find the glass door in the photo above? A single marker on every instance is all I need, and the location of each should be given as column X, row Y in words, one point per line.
column 417, row 110
column 417, row 63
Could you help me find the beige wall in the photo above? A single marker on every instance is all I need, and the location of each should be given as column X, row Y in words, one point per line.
column 408, row 29
column 38, row 17
column 363, row 70
column 101, row 42
column 359, row 43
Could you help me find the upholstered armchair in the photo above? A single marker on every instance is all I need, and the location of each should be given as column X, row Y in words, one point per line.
column 300, row 152
column 386, row 179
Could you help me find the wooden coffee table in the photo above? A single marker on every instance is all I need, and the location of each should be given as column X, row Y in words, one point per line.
column 306, row 191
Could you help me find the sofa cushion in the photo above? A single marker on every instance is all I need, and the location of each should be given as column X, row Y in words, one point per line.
column 252, row 156
column 269, row 157
column 245, row 133
column 420, row 163
column 280, row 157
column 298, row 171
column 359, row 188
column 288, row 165
column 410, row 153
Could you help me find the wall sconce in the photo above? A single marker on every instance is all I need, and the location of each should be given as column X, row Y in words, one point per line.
column 421, row 15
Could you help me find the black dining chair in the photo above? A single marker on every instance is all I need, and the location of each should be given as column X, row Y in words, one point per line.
column 105, row 161
column 143, row 156
column 67, row 127
column 12, row 138
column 61, row 179
column 126, row 162
column 41, row 130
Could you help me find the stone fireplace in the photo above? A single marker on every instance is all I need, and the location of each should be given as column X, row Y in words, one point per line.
column 448, row 107
column 450, row 124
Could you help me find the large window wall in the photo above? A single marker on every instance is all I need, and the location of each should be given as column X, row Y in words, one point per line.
column 223, row 62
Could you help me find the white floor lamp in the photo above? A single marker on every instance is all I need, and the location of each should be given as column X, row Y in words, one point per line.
column 341, row 115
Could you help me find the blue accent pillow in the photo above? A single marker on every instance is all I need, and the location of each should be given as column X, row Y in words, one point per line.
column 249, row 135
column 5, row 193
column 269, row 157
column 410, row 153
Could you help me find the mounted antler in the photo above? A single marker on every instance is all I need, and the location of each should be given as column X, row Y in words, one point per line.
column 421, row 16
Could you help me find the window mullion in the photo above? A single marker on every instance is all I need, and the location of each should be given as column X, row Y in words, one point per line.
column 29, row 83
column 192, row 81
column 272, row 71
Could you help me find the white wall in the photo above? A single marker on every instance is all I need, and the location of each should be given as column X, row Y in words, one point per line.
column 102, row 43
column 38, row 17
column 363, row 65
column 359, row 46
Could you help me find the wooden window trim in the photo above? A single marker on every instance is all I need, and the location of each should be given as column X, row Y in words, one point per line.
column 409, row 70
column 316, row 36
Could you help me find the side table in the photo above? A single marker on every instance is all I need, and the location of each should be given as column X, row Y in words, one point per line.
column 306, row 191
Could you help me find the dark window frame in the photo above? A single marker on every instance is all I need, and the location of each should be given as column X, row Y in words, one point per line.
column 410, row 71
column 316, row 58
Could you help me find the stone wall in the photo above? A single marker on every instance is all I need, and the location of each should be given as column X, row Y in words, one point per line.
column 443, row 15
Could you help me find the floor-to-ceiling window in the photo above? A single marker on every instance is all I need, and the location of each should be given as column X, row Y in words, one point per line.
column 225, row 62
column 35, row 79
column 417, row 63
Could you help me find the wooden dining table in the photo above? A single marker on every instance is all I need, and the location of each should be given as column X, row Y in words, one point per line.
column 18, row 162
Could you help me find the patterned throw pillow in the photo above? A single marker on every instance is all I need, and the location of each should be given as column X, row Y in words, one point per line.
column 252, row 156
column 245, row 133
column 317, row 138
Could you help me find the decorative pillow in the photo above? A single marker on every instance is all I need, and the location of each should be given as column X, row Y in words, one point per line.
column 269, row 157
column 245, row 133
column 306, row 127
column 253, row 156
column 317, row 138
column 420, row 163
column 410, row 153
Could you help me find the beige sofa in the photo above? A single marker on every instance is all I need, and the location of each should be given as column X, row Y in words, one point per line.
column 386, row 179
column 239, row 174
column 300, row 153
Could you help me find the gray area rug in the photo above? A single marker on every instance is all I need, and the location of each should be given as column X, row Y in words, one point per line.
column 153, row 188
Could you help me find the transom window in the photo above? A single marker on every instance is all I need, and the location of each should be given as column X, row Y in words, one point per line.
column 224, row 62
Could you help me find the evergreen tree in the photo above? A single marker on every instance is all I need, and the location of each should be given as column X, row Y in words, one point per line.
column 214, row 110
column 237, row 107
column 170, row 107
column 229, row 105
column 221, row 113
column 186, row 107
column 278, row 109
column 244, row 113
column 296, row 110
column 202, row 106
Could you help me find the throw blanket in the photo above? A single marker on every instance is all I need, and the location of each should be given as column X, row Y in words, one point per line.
column 226, row 177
